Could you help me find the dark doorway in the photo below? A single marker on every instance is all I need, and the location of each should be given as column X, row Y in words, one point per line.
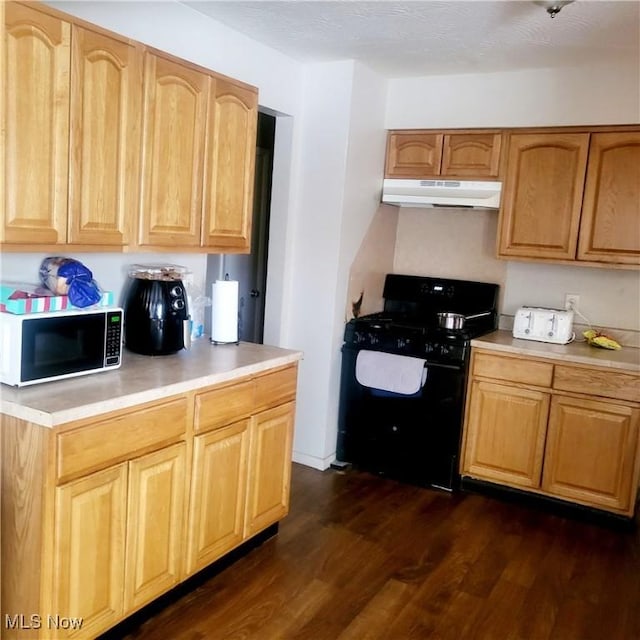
column 251, row 270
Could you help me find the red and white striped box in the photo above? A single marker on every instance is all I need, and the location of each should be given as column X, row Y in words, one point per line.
column 28, row 298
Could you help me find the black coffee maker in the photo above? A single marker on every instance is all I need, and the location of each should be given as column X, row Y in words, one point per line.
column 156, row 313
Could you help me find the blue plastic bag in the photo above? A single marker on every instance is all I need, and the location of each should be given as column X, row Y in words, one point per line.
column 69, row 277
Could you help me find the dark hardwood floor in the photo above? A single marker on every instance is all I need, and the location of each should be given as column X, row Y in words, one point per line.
column 362, row 557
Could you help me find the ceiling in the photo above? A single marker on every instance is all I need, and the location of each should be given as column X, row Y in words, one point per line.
column 416, row 37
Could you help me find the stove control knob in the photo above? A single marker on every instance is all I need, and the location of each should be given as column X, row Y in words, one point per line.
column 177, row 304
column 176, row 291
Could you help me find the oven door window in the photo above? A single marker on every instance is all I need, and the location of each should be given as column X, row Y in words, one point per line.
column 57, row 346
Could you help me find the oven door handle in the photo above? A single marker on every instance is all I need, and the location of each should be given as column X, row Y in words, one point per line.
column 440, row 365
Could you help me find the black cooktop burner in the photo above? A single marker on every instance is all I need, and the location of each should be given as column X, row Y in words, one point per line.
column 427, row 326
column 409, row 323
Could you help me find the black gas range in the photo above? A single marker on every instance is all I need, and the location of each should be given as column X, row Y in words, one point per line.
column 412, row 434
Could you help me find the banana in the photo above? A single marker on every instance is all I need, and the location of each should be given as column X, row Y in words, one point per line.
column 599, row 339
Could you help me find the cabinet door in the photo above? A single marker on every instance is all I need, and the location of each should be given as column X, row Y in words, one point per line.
column 89, row 549
column 591, row 453
column 230, row 166
column 106, row 96
column 34, row 108
column 175, row 101
column 472, row 155
column 218, row 491
column 154, row 525
column 543, row 195
column 269, row 467
column 505, row 434
column 413, row 154
column 610, row 227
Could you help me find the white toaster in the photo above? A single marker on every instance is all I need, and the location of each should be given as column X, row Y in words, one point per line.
column 543, row 325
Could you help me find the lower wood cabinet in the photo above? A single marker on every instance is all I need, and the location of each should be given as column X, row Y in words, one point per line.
column 155, row 533
column 118, row 538
column 102, row 516
column 506, row 433
column 89, row 549
column 218, row 493
column 242, row 470
column 591, row 452
column 269, row 468
column 535, row 425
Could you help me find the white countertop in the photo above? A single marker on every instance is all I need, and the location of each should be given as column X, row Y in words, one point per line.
column 626, row 358
column 140, row 379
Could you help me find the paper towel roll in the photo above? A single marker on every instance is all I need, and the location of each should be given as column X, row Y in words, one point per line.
column 224, row 311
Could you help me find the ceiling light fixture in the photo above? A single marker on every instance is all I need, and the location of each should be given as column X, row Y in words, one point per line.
column 553, row 6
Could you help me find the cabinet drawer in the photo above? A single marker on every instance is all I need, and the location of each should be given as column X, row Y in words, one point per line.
column 513, row 369
column 219, row 407
column 116, row 439
column 595, row 382
column 276, row 388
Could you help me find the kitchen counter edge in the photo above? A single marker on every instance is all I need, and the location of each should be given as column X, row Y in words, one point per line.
column 139, row 380
column 627, row 358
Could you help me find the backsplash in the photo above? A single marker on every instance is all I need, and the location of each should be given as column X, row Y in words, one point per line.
column 373, row 261
column 462, row 244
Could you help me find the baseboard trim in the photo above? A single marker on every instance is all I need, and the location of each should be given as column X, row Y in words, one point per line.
column 312, row 461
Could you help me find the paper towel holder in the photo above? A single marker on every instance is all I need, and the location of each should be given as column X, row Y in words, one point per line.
column 224, row 312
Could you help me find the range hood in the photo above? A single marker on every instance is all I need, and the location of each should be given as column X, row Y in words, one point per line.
column 442, row 193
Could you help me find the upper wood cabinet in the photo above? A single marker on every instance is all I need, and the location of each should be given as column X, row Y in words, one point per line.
column 543, row 194
column 424, row 154
column 572, row 197
column 34, row 109
column 610, row 224
column 106, row 115
column 175, row 107
column 230, row 166
column 106, row 143
column 198, row 160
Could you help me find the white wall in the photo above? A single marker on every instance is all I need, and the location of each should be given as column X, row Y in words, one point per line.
column 343, row 141
column 315, row 244
column 537, row 97
column 363, row 184
column 604, row 95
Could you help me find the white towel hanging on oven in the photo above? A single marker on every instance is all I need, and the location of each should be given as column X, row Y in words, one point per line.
column 390, row 372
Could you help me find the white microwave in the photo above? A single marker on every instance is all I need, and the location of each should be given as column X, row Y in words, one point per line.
column 47, row 346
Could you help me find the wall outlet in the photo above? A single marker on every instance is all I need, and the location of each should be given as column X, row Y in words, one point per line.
column 571, row 301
